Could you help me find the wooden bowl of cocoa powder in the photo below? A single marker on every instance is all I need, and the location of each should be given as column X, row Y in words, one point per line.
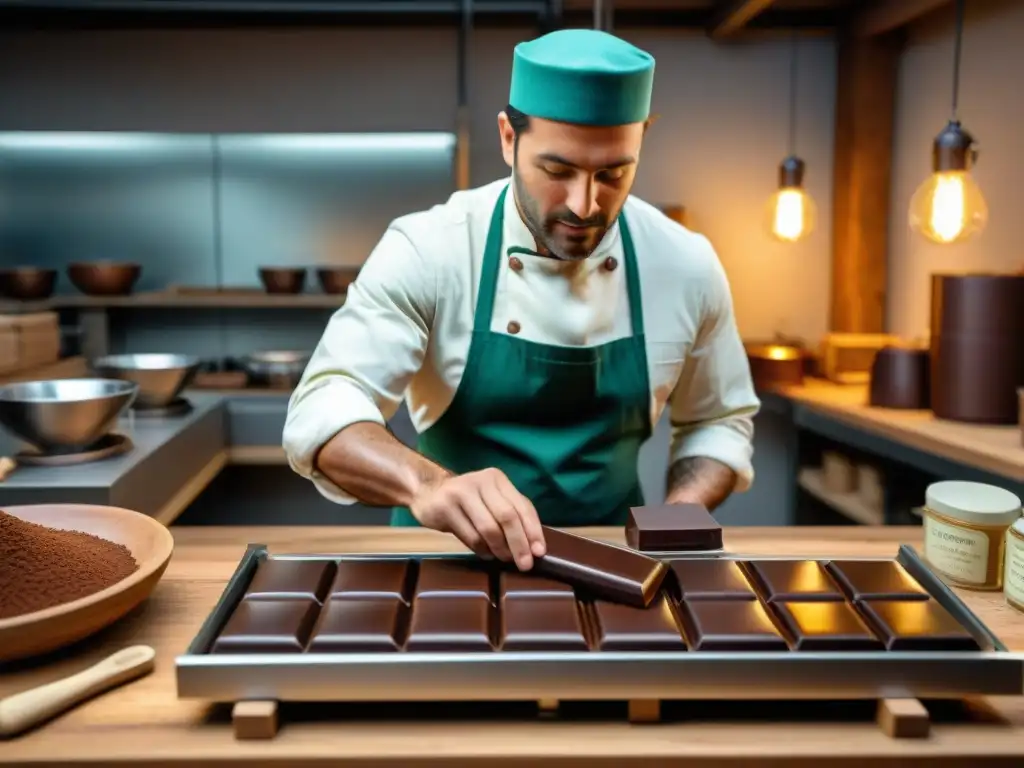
column 70, row 570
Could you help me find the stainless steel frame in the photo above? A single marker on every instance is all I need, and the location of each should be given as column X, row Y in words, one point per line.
column 596, row 675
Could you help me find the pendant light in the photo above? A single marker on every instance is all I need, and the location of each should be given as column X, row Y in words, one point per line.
column 949, row 207
column 791, row 213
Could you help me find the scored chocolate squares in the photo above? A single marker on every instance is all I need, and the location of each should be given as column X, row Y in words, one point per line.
column 673, row 528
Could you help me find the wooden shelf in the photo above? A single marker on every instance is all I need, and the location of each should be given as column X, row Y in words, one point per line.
column 849, row 505
column 232, row 299
column 68, row 368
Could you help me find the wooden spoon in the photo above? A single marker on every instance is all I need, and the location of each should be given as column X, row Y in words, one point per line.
column 29, row 708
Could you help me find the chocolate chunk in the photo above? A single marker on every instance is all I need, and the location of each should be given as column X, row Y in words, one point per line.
column 608, row 572
column 626, row 628
column 515, row 584
column 730, row 625
column 268, row 626
column 875, row 580
column 707, row 579
column 793, row 581
column 371, row 578
column 366, row 625
column 542, row 624
column 277, row 579
column 451, row 577
column 673, row 528
column 825, row 627
column 461, row 623
column 916, row 625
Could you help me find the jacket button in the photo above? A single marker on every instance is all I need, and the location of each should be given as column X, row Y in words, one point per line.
column 611, row 263
column 513, row 327
column 516, row 263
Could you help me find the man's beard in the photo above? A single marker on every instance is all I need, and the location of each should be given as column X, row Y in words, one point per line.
column 566, row 247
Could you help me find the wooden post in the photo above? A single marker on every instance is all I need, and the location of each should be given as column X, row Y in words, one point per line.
column 865, row 111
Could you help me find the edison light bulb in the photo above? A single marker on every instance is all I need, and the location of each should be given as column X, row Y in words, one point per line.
column 948, row 207
column 790, row 213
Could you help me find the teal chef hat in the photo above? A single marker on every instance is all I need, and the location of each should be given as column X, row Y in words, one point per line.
column 582, row 76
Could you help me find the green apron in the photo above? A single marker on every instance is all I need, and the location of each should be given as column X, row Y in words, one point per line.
column 565, row 424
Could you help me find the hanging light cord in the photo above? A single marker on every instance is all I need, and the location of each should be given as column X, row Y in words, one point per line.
column 957, row 41
column 793, row 68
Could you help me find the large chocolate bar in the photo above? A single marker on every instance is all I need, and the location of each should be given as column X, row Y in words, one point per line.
column 268, row 626
column 451, row 577
column 366, row 624
column 793, row 581
column 916, row 625
column 358, row 579
column 289, row 579
column 875, row 580
column 730, row 625
column 710, row 579
column 672, row 528
column 451, row 623
column 515, row 584
column 626, row 628
column 825, row 626
column 542, row 624
column 607, row 572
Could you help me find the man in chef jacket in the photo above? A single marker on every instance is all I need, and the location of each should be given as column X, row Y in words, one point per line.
column 537, row 327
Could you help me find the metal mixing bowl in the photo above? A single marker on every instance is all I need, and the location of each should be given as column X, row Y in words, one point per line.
column 160, row 378
column 104, row 278
column 336, row 279
column 64, row 413
column 283, row 279
column 27, row 283
column 276, row 368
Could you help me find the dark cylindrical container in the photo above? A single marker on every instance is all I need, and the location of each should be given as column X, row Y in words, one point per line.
column 977, row 347
column 899, row 378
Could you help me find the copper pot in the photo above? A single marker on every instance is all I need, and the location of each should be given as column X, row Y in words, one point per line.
column 775, row 365
column 283, row 279
column 104, row 278
column 27, row 283
column 336, row 279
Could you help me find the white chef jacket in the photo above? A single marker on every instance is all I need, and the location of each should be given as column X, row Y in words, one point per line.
column 405, row 328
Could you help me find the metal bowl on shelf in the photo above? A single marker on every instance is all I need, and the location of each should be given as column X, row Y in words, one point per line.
column 283, row 279
column 160, row 377
column 336, row 279
column 27, row 283
column 104, row 278
column 64, row 413
column 280, row 369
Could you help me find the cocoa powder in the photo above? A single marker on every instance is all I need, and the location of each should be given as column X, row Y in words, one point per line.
column 42, row 567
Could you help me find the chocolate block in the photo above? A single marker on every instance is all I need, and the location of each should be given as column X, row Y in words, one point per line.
column 825, row 627
column 916, row 625
column 461, row 623
column 606, row 571
column 443, row 577
column 673, row 528
column 711, row 580
column 730, row 625
column 625, row 628
column 875, row 580
column 367, row 624
column 542, row 624
column 288, row 579
column 268, row 626
column 789, row 581
column 515, row 584
column 358, row 579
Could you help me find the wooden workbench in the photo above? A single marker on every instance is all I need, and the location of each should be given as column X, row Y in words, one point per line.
column 144, row 723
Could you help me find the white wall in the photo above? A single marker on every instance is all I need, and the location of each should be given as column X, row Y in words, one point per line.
column 992, row 109
column 722, row 133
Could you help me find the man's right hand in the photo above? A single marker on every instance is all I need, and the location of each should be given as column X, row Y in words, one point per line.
column 486, row 513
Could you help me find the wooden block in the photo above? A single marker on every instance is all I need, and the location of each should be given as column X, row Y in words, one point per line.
column 645, row 710
column 254, row 719
column 903, row 718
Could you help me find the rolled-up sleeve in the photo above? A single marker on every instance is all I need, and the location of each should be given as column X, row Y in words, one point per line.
column 713, row 404
column 368, row 353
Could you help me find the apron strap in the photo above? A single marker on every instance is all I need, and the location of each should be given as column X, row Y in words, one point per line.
column 636, row 312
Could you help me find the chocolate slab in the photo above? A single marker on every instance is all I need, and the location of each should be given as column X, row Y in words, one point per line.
column 793, row 581
column 826, row 626
column 358, row 579
column 542, row 624
column 268, row 626
column 875, row 580
column 443, row 577
column 916, row 625
column 606, row 571
column 288, row 579
column 730, row 625
column 516, row 584
column 625, row 628
column 673, row 528
column 459, row 623
column 707, row 579
column 367, row 624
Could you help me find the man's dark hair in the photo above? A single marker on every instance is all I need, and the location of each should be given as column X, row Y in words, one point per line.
column 520, row 122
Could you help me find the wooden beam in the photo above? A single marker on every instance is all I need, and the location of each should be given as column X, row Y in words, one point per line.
column 731, row 16
column 886, row 15
column 865, row 111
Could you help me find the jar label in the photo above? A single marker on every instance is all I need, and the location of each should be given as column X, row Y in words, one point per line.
column 1013, row 583
column 957, row 552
